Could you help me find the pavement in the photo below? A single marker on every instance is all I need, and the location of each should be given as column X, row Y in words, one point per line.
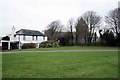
column 29, row 51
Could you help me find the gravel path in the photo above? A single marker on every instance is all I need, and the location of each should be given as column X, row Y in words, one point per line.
column 29, row 51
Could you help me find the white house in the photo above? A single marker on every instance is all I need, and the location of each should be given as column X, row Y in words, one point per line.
column 25, row 36
column 0, row 43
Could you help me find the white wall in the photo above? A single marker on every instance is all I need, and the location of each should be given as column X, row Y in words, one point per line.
column 29, row 39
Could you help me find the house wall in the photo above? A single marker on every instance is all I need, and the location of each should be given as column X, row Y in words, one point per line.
column 29, row 39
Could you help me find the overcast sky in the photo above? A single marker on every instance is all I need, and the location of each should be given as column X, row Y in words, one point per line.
column 37, row 14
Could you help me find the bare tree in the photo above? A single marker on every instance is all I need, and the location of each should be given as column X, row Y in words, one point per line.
column 54, row 29
column 113, row 20
column 81, row 31
column 71, row 26
column 92, row 19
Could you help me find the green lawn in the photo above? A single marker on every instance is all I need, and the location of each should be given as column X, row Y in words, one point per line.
column 0, row 65
column 76, row 48
column 61, row 65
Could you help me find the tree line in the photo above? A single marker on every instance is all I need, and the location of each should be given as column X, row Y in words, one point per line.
column 87, row 30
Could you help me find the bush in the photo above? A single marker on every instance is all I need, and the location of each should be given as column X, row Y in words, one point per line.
column 47, row 44
column 28, row 45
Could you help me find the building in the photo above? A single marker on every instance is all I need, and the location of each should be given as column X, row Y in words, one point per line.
column 17, row 38
column 0, row 43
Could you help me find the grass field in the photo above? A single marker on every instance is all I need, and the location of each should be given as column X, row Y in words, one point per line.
column 61, row 65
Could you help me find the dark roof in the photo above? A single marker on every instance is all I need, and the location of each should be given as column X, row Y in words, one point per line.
column 29, row 32
column 6, row 38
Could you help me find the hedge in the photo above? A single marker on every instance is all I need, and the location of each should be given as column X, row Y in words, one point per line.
column 47, row 44
column 28, row 45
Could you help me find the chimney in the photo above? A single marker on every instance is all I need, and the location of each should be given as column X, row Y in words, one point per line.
column 119, row 4
column 12, row 38
column 13, row 30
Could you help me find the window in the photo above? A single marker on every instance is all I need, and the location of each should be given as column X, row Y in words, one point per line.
column 14, row 35
column 43, row 37
column 24, row 38
column 32, row 37
column 19, row 37
column 36, row 37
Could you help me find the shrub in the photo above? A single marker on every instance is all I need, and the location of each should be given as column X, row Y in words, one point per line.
column 47, row 44
column 28, row 45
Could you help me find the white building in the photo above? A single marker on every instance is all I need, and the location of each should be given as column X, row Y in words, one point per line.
column 25, row 36
column 0, row 43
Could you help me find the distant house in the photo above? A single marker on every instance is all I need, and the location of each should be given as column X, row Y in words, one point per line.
column 0, row 43
column 17, row 39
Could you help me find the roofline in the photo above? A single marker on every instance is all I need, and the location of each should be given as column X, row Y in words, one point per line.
column 42, row 34
column 30, row 35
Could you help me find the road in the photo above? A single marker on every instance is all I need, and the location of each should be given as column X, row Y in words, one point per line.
column 29, row 51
